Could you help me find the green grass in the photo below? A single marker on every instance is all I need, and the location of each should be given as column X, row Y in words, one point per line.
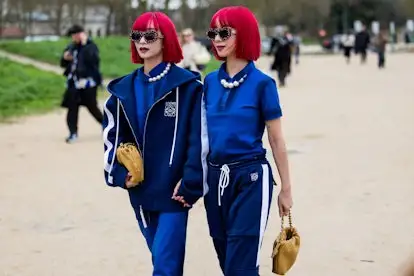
column 310, row 41
column 114, row 52
column 26, row 90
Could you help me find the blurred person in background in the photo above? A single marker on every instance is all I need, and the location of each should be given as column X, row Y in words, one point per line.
column 297, row 40
column 407, row 39
column 362, row 41
column 195, row 54
column 180, row 39
column 81, row 61
column 281, row 46
column 381, row 41
column 348, row 43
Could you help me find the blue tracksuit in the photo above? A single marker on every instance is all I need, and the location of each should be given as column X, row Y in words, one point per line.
column 239, row 176
column 166, row 120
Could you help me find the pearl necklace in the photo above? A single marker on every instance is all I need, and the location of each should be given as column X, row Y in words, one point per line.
column 167, row 68
column 234, row 83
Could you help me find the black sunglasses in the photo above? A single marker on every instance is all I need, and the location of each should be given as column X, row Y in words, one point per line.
column 224, row 33
column 149, row 36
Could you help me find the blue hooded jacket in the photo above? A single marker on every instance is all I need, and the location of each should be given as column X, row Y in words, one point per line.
column 174, row 145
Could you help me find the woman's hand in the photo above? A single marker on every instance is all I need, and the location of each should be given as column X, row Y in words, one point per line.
column 67, row 56
column 179, row 198
column 128, row 182
column 284, row 201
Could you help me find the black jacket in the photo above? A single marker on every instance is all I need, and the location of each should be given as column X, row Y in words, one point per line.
column 362, row 41
column 281, row 47
column 88, row 61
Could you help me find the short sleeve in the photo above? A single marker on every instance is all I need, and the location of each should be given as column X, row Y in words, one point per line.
column 269, row 101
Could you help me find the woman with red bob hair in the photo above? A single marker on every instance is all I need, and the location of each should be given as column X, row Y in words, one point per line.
column 241, row 101
column 159, row 109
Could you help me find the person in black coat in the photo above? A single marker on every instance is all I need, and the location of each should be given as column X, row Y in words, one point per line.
column 362, row 41
column 281, row 46
column 81, row 62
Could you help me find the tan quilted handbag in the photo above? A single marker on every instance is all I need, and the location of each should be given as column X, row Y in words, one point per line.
column 128, row 155
column 285, row 248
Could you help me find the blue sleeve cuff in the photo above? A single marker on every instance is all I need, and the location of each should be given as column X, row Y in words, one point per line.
column 119, row 175
column 272, row 114
column 190, row 196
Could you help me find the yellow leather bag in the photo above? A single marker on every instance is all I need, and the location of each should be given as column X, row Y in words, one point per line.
column 285, row 248
column 128, row 155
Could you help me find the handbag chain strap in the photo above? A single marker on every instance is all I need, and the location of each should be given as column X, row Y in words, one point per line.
column 290, row 220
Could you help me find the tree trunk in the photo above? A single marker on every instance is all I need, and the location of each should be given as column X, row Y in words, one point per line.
column 122, row 17
column 84, row 7
column 26, row 13
column 109, row 19
column 167, row 6
column 58, row 20
column 1, row 17
column 142, row 6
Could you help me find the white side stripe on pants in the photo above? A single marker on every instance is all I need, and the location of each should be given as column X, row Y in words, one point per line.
column 265, row 208
column 141, row 213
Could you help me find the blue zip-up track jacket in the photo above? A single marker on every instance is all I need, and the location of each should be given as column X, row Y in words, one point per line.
column 174, row 145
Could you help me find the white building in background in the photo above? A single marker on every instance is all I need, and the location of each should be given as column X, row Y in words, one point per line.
column 93, row 19
column 43, row 22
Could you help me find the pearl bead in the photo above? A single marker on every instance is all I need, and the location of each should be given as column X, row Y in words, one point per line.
column 232, row 84
column 167, row 68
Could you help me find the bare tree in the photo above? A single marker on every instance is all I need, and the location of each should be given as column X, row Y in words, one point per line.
column 2, row 12
column 55, row 10
column 27, row 8
column 111, row 6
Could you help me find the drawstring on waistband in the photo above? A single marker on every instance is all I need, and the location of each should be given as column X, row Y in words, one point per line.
column 223, row 182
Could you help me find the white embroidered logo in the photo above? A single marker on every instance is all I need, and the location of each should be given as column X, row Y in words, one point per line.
column 254, row 176
column 170, row 109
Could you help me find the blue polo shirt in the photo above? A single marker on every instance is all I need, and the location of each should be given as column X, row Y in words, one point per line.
column 236, row 117
column 146, row 94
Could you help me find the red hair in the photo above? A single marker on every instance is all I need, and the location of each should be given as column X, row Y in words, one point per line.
column 171, row 47
column 248, row 43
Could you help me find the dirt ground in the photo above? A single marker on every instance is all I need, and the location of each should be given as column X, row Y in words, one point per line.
column 350, row 134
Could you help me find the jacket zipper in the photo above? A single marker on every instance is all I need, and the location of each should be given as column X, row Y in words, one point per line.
column 146, row 119
column 141, row 211
column 175, row 127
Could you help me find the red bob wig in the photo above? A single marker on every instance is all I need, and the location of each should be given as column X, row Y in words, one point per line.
column 171, row 47
column 248, row 44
